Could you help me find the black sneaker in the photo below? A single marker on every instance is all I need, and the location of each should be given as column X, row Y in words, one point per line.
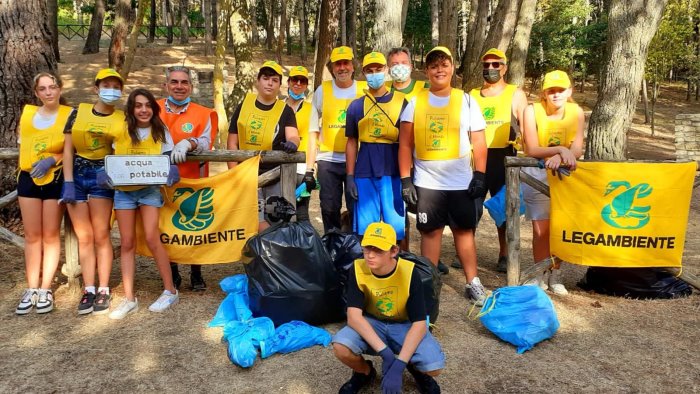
column 426, row 384
column 197, row 282
column 442, row 268
column 102, row 303
column 456, row 264
column 86, row 303
column 502, row 265
column 177, row 279
column 358, row 381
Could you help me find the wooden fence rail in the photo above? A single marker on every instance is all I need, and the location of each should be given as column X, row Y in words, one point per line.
column 71, row 31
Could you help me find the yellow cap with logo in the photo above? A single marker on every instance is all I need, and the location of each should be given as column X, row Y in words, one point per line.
column 495, row 52
column 341, row 53
column 380, row 235
column 442, row 49
column 274, row 66
column 299, row 71
column 373, row 58
column 107, row 73
column 556, row 79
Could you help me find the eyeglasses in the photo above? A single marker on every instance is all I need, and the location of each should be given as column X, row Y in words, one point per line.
column 495, row 65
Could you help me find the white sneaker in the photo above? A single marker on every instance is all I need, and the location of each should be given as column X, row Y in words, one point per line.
column 475, row 292
column 125, row 307
column 27, row 302
column 44, row 303
column 555, row 284
column 165, row 301
column 540, row 280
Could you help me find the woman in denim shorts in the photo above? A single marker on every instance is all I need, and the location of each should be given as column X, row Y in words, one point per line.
column 39, row 188
column 89, row 204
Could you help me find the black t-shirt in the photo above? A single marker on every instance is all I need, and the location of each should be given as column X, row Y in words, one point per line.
column 415, row 304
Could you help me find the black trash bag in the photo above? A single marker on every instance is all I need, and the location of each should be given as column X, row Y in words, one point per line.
column 432, row 283
column 643, row 283
column 344, row 249
column 291, row 276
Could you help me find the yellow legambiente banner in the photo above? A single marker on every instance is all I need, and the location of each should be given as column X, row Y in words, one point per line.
column 621, row 214
column 207, row 221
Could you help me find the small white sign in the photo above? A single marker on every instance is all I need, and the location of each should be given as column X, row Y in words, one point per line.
column 138, row 170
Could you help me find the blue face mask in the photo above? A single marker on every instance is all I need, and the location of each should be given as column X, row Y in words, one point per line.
column 295, row 96
column 376, row 80
column 179, row 103
column 110, row 96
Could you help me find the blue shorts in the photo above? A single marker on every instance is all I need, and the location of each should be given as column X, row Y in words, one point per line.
column 85, row 180
column 428, row 356
column 380, row 199
column 133, row 199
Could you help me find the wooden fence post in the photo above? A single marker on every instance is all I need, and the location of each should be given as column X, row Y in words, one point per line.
column 513, row 224
column 288, row 182
column 71, row 268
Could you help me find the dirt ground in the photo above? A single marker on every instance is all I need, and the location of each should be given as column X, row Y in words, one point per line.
column 605, row 344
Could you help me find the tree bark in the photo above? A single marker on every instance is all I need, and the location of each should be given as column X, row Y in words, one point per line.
column 52, row 13
column 363, row 27
column 632, row 24
column 253, row 8
column 168, row 21
column 389, row 18
column 92, row 43
column 133, row 39
column 117, row 44
column 245, row 72
column 184, row 23
column 302, row 29
column 478, row 23
column 521, row 43
column 344, row 23
column 447, row 31
column 435, row 21
column 282, row 29
column 206, row 13
column 270, row 26
column 645, row 100
column 352, row 28
column 152, row 23
column 330, row 19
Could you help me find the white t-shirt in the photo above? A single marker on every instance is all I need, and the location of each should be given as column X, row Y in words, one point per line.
column 453, row 174
column 40, row 122
column 145, row 132
column 317, row 116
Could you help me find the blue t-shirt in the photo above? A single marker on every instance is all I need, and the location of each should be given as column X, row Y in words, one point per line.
column 373, row 160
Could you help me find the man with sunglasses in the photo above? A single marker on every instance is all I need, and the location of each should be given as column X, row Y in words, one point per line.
column 193, row 128
column 373, row 172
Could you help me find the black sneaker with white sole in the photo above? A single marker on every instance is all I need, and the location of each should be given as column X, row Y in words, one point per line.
column 27, row 302
column 86, row 303
column 45, row 302
column 426, row 384
column 101, row 303
column 358, row 381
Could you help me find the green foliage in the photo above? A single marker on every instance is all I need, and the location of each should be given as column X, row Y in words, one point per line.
column 417, row 32
column 674, row 47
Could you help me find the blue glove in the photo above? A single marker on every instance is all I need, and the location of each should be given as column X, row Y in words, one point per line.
column 393, row 380
column 289, row 146
column 104, row 181
column 387, row 359
column 351, row 187
column 68, row 194
column 173, row 175
column 41, row 167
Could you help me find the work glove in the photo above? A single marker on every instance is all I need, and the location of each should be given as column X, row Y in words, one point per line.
column 41, row 167
column 393, row 379
column 173, row 175
column 179, row 153
column 104, row 181
column 477, row 187
column 309, row 180
column 387, row 359
column 351, row 187
column 68, row 194
column 289, row 147
column 408, row 191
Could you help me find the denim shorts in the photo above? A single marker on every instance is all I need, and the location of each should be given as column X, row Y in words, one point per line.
column 428, row 356
column 85, row 179
column 133, row 199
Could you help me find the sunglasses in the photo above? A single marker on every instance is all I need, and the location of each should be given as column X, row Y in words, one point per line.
column 495, row 65
column 301, row 81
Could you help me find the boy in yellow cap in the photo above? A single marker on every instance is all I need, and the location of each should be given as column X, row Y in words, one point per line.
column 278, row 131
column 387, row 317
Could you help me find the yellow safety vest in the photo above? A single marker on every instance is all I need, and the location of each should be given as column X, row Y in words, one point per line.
column 378, row 125
column 38, row 144
column 93, row 135
column 552, row 132
column 436, row 130
column 385, row 298
column 256, row 128
column 333, row 137
column 303, row 116
column 498, row 113
column 124, row 146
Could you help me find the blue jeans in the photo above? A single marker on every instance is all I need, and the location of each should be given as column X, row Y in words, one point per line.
column 85, row 180
column 133, row 199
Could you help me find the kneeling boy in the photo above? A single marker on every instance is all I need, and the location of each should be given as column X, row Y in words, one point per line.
column 387, row 316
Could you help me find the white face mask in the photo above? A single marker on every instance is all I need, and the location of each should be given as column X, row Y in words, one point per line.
column 400, row 72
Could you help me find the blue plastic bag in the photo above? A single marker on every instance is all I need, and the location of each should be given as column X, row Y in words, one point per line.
column 235, row 305
column 496, row 205
column 244, row 338
column 293, row 336
column 520, row 315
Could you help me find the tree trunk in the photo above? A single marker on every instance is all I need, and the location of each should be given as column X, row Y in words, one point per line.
column 645, row 100
column 288, row 33
column 184, row 23
column 404, row 14
column 206, row 13
column 214, row 12
column 282, row 29
column 363, row 27
column 447, row 30
column 521, row 43
column 330, row 19
column 253, row 8
column 117, row 44
column 270, row 26
column 389, row 18
column 168, row 21
column 344, row 23
column 133, row 39
column 245, row 72
column 654, row 91
column 25, row 50
column 152, row 23
column 631, row 26
column 352, row 28
column 52, row 12
column 302, row 29
column 478, row 23
column 92, row 43
column 435, row 21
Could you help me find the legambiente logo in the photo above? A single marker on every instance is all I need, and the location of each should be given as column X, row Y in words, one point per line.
column 625, row 211
column 196, row 210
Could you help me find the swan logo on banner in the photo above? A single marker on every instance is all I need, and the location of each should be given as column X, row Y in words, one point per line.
column 624, row 211
column 196, row 210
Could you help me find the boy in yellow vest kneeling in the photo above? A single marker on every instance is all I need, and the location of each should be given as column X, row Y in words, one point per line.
column 387, row 316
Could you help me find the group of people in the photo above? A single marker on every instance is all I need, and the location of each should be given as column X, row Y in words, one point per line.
column 386, row 146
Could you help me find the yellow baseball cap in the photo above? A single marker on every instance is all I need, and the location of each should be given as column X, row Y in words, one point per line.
column 379, row 234
column 341, row 53
column 106, row 73
column 274, row 66
column 556, row 79
column 442, row 49
column 373, row 58
column 495, row 52
column 299, row 71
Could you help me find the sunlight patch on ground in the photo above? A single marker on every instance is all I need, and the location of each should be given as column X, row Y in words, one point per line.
column 34, row 339
column 144, row 363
